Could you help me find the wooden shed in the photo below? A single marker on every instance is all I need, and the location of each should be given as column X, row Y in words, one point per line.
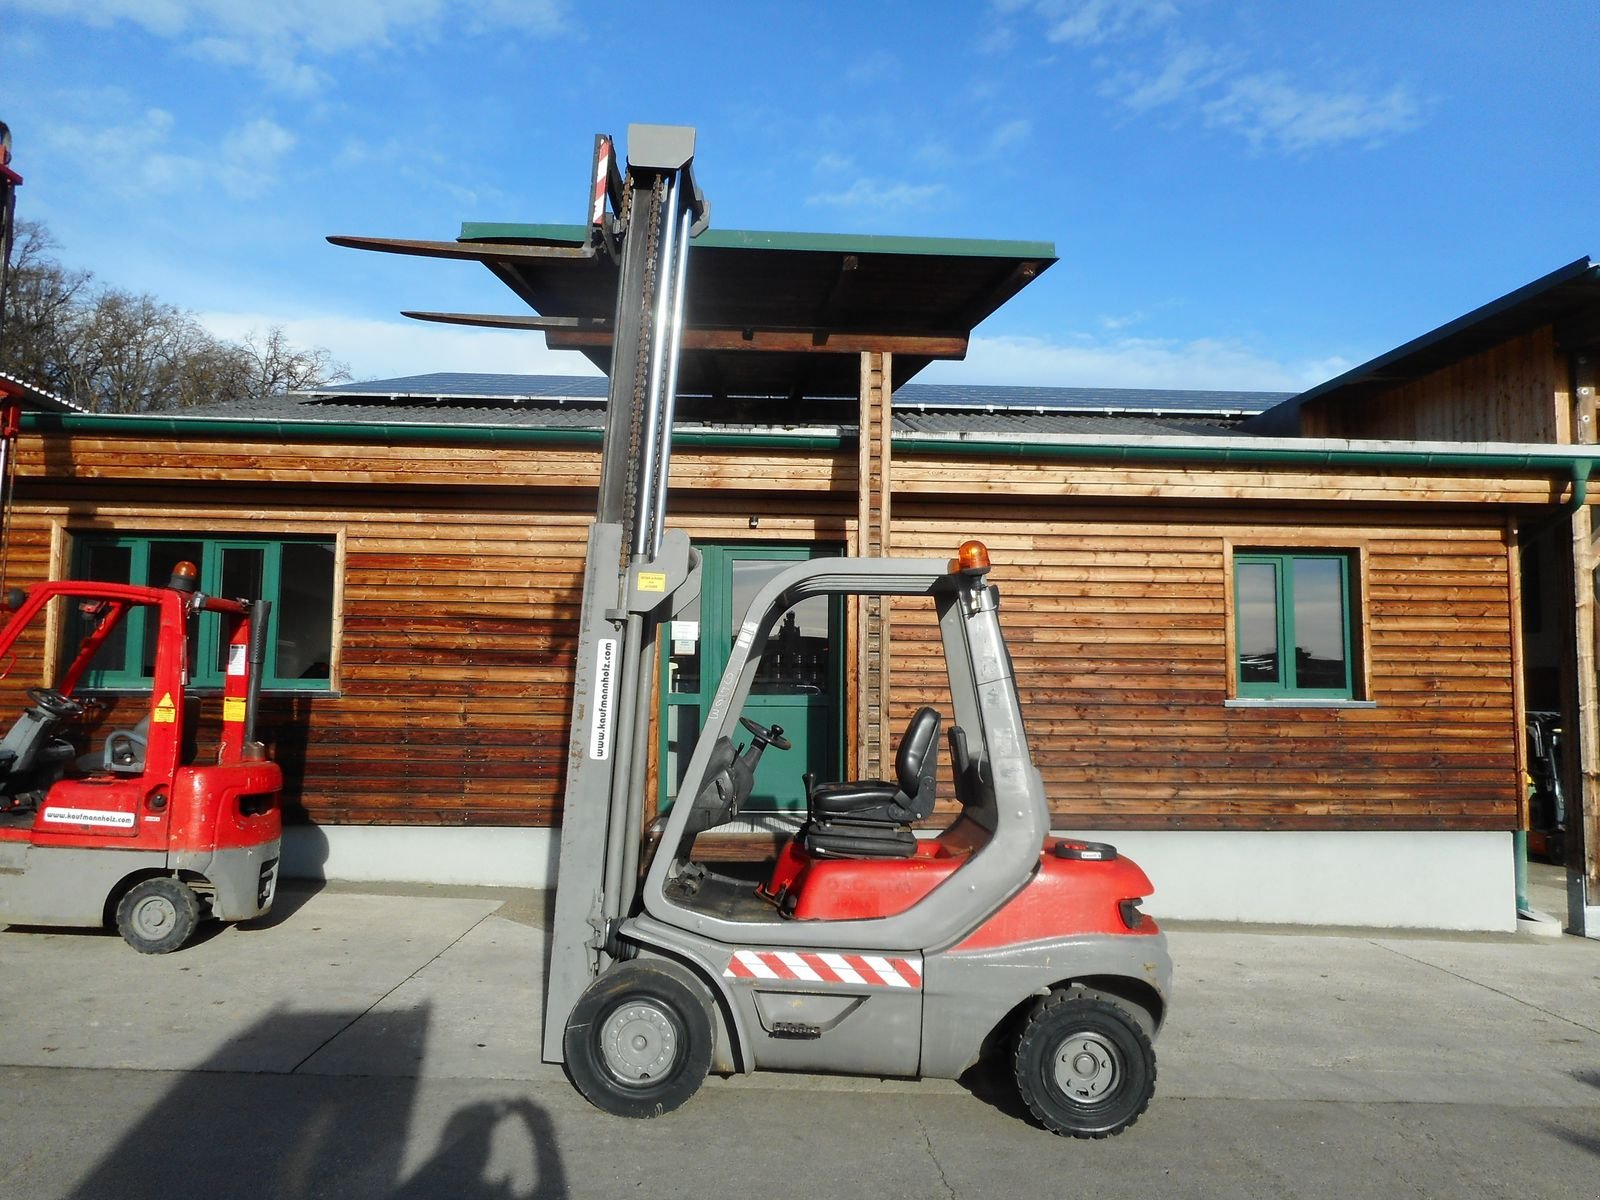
column 1285, row 672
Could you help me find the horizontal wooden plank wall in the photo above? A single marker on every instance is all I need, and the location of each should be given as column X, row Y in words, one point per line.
column 460, row 589
column 1117, row 623
column 789, row 472
column 458, row 629
column 306, row 464
column 1513, row 392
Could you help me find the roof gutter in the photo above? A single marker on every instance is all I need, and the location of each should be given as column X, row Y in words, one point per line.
column 1319, row 452
column 1573, row 461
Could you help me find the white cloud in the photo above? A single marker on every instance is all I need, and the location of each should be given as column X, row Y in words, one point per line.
column 1269, row 110
column 273, row 37
column 132, row 158
column 140, row 157
column 874, row 68
column 1155, row 66
column 877, row 195
column 380, row 349
column 1191, row 68
column 1206, row 364
column 1009, row 135
column 1093, row 22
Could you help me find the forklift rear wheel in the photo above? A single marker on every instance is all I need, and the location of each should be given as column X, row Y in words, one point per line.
column 158, row 916
column 1084, row 1065
column 639, row 1041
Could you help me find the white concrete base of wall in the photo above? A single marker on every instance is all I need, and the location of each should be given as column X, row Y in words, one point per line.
column 487, row 857
column 1460, row 880
column 1417, row 880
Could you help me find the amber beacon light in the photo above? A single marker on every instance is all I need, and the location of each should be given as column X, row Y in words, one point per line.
column 973, row 557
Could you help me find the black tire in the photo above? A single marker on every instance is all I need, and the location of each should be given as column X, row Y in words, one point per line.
column 158, row 916
column 639, row 1040
column 1084, row 1066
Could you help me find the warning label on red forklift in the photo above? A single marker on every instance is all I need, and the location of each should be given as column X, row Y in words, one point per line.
column 604, row 669
column 88, row 816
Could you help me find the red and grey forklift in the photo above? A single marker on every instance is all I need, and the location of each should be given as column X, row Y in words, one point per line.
column 867, row 949
column 135, row 826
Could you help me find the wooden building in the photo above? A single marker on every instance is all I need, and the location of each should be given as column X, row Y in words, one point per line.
column 1283, row 671
column 1523, row 368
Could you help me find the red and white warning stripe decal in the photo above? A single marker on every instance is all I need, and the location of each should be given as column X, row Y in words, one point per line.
column 869, row 970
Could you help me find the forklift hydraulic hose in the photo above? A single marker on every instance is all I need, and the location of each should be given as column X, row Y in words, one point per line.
column 260, row 621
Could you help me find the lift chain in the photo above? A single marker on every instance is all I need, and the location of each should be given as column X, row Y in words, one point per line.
column 641, row 365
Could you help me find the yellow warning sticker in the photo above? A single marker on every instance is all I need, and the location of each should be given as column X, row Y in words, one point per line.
column 652, row 581
column 233, row 709
column 165, row 712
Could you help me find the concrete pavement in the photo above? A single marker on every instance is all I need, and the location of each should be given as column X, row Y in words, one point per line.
column 380, row 1031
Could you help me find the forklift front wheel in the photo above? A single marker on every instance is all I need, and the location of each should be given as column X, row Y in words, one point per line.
column 158, row 916
column 1084, row 1065
column 639, row 1041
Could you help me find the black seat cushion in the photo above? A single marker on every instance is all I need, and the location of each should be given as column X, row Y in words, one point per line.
column 846, row 838
column 908, row 798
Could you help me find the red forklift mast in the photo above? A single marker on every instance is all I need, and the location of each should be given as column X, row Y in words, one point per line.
column 10, row 394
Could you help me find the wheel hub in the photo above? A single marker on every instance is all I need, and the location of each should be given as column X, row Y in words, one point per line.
column 1087, row 1067
column 639, row 1043
column 154, row 916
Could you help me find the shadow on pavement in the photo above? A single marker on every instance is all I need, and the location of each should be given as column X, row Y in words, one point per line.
column 991, row 1081
column 289, row 900
column 295, row 1136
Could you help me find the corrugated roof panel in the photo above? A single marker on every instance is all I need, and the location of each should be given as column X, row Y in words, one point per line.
column 449, row 385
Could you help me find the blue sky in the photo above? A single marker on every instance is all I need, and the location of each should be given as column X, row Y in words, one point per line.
column 1243, row 194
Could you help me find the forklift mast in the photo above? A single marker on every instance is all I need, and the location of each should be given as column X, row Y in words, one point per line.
column 10, row 394
column 636, row 574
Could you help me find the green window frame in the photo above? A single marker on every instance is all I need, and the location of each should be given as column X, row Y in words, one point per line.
column 299, row 576
column 1298, row 600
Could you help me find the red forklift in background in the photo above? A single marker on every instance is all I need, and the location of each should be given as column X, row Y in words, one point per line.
column 137, row 830
column 134, row 829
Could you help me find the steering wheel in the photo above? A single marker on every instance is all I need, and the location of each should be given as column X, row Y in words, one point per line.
column 54, row 703
column 767, row 737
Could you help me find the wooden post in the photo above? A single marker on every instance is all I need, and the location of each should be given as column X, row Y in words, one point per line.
column 1583, row 567
column 1519, row 688
column 872, row 536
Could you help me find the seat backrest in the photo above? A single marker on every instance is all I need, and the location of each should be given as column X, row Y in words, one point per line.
column 917, row 762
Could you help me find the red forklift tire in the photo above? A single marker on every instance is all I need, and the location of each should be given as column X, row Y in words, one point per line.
column 639, row 1041
column 158, row 916
column 1084, row 1066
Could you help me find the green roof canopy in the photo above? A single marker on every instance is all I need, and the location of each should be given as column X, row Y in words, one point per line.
column 768, row 314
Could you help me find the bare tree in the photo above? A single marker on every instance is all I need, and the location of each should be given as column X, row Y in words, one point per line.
column 109, row 350
column 280, row 367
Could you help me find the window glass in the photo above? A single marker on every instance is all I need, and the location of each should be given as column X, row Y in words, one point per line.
column 1319, row 623
column 162, row 557
column 1256, row 594
column 243, row 569
column 1293, row 625
column 304, row 615
column 682, row 729
column 104, row 564
column 298, row 576
column 796, row 661
column 683, row 649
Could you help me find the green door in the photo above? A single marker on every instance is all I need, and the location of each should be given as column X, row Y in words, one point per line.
column 799, row 686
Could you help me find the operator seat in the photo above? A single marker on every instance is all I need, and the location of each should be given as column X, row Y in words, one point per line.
column 123, row 752
column 872, row 818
